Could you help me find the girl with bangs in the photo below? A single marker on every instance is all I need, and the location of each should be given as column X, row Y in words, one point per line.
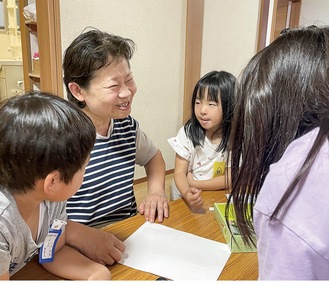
column 200, row 145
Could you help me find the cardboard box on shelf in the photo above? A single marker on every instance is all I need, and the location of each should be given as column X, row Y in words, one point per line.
column 233, row 238
column 36, row 66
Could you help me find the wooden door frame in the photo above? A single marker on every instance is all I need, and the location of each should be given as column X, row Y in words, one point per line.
column 264, row 15
column 193, row 50
column 51, row 38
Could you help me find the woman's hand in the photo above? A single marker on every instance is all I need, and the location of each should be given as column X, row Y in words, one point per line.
column 98, row 245
column 154, row 205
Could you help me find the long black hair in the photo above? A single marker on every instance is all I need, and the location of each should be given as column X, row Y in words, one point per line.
column 281, row 95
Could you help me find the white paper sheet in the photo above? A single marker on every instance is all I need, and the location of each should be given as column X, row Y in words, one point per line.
column 174, row 254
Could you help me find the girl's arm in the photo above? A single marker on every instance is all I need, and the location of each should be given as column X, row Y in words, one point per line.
column 191, row 195
column 71, row 264
column 180, row 172
column 216, row 183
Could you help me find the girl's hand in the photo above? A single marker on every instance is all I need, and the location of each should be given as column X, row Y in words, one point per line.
column 194, row 200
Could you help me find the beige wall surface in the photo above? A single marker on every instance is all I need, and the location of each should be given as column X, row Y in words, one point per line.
column 4, row 44
column 314, row 12
column 229, row 34
column 159, row 28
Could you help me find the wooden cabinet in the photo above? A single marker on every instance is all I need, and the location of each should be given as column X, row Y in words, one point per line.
column 11, row 74
column 45, row 34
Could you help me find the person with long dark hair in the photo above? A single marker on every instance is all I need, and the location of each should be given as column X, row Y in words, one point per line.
column 280, row 155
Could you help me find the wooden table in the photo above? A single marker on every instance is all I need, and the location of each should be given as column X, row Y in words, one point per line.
column 240, row 266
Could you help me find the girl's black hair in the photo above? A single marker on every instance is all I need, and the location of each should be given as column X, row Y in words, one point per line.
column 220, row 85
column 282, row 94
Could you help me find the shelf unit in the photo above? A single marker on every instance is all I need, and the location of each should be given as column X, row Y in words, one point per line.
column 44, row 36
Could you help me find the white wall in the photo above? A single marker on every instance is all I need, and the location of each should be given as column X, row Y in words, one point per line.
column 159, row 28
column 4, row 45
column 314, row 12
column 229, row 34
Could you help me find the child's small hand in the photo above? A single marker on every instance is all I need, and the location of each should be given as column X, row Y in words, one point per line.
column 194, row 200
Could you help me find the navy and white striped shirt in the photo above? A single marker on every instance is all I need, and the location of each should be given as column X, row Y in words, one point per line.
column 107, row 193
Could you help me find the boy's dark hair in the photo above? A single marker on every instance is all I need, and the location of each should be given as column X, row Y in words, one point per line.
column 221, row 85
column 89, row 52
column 40, row 133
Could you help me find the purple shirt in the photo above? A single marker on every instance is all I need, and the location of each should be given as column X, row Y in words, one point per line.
column 296, row 245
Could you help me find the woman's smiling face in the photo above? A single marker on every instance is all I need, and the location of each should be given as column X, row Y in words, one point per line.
column 111, row 91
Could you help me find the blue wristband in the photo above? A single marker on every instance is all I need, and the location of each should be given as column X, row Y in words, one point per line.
column 46, row 252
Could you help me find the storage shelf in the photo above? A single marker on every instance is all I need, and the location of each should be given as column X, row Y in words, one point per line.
column 34, row 75
column 42, row 36
column 30, row 22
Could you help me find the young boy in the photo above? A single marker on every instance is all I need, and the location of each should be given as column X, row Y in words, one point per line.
column 45, row 146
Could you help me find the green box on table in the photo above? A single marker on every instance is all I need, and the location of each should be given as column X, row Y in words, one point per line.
column 233, row 238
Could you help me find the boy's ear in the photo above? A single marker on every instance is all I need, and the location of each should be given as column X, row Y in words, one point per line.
column 51, row 182
column 76, row 91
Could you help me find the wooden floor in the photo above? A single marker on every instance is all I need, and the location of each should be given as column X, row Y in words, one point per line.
column 141, row 189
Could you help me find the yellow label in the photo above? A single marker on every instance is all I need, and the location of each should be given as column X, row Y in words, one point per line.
column 219, row 168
